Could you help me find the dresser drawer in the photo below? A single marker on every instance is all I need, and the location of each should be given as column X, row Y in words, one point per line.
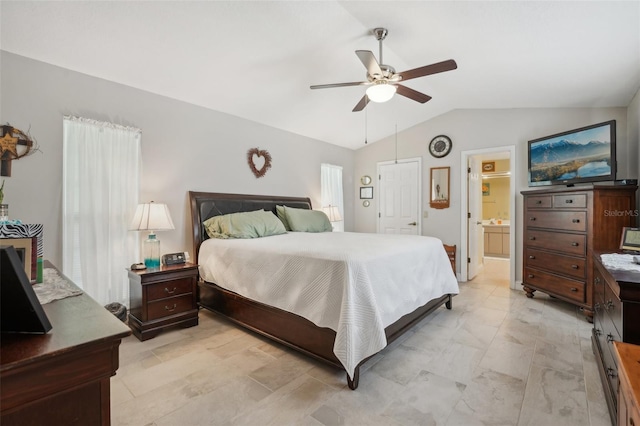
column 565, row 221
column 171, row 306
column 561, row 264
column 611, row 307
column 605, row 341
column 560, row 286
column 169, row 288
column 572, row 244
column 570, row 201
column 539, row 202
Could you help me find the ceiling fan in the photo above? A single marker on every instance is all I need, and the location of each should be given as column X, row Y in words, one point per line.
column 384, row 81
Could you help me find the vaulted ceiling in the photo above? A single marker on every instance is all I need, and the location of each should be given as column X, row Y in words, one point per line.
column 256, row 60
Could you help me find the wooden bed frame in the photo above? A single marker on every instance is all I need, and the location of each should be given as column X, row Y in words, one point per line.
column 282, row 326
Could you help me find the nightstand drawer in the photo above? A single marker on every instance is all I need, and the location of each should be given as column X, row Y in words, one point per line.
column 169, row 288
column 170, row 306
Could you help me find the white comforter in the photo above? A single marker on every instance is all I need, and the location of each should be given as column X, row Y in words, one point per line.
column 353, row 283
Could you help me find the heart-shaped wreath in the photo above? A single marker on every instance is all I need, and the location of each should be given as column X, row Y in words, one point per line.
column 254, row 154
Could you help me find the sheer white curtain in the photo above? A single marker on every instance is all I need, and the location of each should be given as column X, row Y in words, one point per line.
column 331, row 190
column 101, row 179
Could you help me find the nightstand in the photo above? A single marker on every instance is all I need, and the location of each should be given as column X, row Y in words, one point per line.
column 162, row 297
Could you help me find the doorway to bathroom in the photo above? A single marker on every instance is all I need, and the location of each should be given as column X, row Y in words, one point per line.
column 489, row 206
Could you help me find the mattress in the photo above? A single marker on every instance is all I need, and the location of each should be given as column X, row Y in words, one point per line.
column 353, row 283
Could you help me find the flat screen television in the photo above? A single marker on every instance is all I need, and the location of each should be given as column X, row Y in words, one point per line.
column 20, row 309
column 587, row 154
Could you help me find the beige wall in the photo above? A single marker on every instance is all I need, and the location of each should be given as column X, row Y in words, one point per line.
column 496, row 204
column 184, row 147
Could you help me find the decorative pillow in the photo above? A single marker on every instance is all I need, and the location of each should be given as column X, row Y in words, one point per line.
column 254, row 224
column 302, row 220
column 283, row 217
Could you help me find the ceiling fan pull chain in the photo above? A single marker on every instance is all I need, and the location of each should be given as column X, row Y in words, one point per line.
column 365, row 125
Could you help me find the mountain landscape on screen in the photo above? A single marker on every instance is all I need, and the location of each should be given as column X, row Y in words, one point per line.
column 564, row 159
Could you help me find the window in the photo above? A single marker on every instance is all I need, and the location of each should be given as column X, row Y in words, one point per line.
column 101, row 178
column 331, row 191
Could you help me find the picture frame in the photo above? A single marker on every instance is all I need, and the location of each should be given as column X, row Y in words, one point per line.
column 488, row 166
column 630, row 239
column 486, row 189
column 366, row 192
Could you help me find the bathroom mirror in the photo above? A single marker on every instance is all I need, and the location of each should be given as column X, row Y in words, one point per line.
column 439, row 197
column 366, row 180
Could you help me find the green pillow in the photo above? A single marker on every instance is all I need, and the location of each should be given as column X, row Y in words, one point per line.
column 302, row 220
column 283, row 217
column 254, row 224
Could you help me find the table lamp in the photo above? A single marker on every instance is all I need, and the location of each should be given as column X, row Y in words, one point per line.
column 151, row 217
column 333, row 213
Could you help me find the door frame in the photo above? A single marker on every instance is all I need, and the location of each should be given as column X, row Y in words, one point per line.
column 418, row 177
column 464, row 190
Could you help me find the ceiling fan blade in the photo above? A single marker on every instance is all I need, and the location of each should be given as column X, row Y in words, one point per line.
column 412, row 94
column 370, row 62
column 328, row 86
column 443, row 66
column 363, row 103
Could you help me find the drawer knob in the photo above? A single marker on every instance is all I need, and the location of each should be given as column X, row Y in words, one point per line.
column 170, row 291
column 538, row 201
column 532, row 218
column 168, row 309
column 609, row 305
column 574, row 244
column 597, row 280
column 609, row 337
column 530, row 275
column 575, row 220
column 574, row 289
column 532, row 257
column 611, row 372
column 574, row 266
column 568, row 201
column 532, row 238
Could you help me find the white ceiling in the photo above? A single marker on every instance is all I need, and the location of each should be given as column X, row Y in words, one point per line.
column 256, row 60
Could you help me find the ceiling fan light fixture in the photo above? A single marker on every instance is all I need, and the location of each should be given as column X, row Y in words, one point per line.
column 381, row 91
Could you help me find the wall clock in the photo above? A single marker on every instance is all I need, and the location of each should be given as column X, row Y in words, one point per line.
column 440, row 146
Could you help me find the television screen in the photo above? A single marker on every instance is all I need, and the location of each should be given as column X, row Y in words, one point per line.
column 20, row 310
column 587, row 154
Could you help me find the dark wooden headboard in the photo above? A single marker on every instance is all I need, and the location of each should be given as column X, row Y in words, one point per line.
column 208, row 204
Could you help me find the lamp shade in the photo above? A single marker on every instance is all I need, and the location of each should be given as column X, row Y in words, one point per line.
column 333, row 213
column 381, row 91
column 151, row 217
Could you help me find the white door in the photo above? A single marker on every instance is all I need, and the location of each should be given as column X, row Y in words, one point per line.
column 474, row 221
column 399, row 197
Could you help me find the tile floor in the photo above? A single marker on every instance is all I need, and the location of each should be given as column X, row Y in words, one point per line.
column 497, row 358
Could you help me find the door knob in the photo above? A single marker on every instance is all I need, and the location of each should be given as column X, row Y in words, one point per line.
column 478, row 223
column 412, row 223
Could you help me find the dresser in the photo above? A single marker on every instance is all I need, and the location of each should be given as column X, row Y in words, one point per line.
column 162, row 297
column 562, row 227
column 628, row 360
column 616, row 319
column 62, row 377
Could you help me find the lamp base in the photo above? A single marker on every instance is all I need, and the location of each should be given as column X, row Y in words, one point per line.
column 151, row 250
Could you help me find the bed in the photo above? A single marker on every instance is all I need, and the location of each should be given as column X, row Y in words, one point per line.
column 345, row 333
